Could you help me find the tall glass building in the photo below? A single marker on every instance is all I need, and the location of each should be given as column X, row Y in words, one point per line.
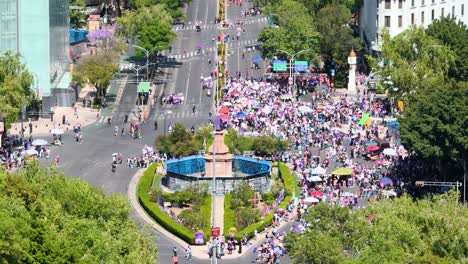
column 38, row 30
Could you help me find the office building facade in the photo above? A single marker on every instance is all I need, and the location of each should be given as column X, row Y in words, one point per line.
column 398, row 15
column 38, row 30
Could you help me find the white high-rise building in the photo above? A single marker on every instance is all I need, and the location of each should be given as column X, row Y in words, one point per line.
column 399, row 15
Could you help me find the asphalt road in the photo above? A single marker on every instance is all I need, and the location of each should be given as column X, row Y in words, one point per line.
column 91, row 161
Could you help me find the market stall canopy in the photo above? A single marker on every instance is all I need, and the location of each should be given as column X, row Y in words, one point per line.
column 343, row 171
column 364, row 118
column 318, row 171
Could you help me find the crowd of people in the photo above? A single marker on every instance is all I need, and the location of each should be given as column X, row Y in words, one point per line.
column 348, row 132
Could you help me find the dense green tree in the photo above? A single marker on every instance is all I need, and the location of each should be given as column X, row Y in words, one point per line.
column 152, row 25
column 336, row 36
column 402, row 230
column 415, row 60
column 77, row 17
column 454, row 35
column 434, row 124
column 174, row 7
column 96, row 70
column 15, row 87
column 48, row 218
column 178, row 143
column 296, row 32
column 267, row 145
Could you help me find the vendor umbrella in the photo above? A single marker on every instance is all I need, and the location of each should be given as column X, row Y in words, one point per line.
column 39, row 142
column 316, row 193
column 223, row 110
column 343, row 171
column 240, row 115
column 386, row 181
column 371, row 143
column 372, row 148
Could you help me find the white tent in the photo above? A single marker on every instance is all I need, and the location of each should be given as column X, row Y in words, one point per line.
column 319, row 171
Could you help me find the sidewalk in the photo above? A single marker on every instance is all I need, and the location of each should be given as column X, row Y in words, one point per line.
column 199, row 252
column 42, row 126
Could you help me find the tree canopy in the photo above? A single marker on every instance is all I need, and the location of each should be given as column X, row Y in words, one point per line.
column 15, row 87
column 151, row 24
column 77, row 17
column 296, row 31
column 434, row 124
column 48, row 218
column 415, row 60
column 336, row 36
column 454, row 35
column 432, row 230
column 178, row 143
column 97, row 70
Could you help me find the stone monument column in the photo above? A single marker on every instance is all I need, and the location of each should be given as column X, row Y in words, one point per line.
column 352, row 72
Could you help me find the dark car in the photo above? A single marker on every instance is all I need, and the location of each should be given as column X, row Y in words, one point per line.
column 198, row 28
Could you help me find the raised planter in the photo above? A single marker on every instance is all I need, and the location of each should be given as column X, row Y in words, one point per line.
column 290, row 185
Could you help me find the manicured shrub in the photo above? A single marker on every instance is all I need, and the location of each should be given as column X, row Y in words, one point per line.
column 155, row 212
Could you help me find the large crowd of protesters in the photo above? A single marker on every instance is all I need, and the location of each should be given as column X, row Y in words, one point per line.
column 322, row 133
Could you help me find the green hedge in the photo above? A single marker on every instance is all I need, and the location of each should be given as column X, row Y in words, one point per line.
column 205, row 211
column 229, row 214
column 290, row 183
column 155, row 211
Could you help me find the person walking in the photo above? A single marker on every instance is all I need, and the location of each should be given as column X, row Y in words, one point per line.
column 155, row 125
column 193, row 109
column 57, row 161
column 116, row 130
column 188, row 253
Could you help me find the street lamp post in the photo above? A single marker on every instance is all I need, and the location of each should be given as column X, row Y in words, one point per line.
column 137, row 70
column 147, row 54
column 165, row 114
column 292, row 58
